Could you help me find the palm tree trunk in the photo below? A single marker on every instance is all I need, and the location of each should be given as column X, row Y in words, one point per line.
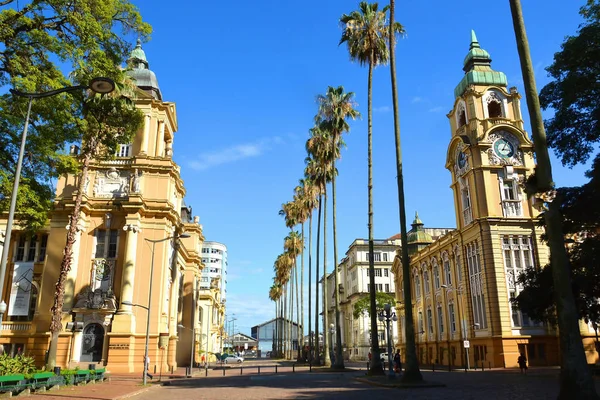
column 318, row 345
column 297, row 311
column 339, row 356
column 412, row 372
column 376, row 367
column 301, row 327
column 65, row 266
column 576, row 381
column 284, row 330
column 326, row 343
column 274, row 347
column 310, row 336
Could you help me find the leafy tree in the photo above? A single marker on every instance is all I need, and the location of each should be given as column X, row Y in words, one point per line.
column 43, row 44
column 363, row 306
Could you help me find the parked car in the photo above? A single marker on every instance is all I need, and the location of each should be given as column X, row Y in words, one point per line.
column 232, row 359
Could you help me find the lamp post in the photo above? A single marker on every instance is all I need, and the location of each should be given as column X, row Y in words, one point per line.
column 147, row 308
column 387, row 315
column 180, row 326
column 97, row 85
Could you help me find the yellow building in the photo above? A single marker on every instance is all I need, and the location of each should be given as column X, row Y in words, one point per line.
column 125, row 248
column 462, row 283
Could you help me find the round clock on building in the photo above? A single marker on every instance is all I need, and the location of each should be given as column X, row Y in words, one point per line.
column 504, row 148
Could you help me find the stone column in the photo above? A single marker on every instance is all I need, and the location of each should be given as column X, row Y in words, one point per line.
column 76, row 349
column 128, row 275
column 160, row 139
column 169, row 150
column 145, row 135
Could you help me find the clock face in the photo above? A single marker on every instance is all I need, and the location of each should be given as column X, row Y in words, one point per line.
column 461, row 160
column 503, row 148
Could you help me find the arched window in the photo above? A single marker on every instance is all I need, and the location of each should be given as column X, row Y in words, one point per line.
column 417, row 286
column 436, row 277
column 447, row 272
column 494, row 105
column 426, row 281
column 461, row 114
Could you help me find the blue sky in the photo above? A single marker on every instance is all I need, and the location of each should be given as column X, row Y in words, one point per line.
column 244, row 78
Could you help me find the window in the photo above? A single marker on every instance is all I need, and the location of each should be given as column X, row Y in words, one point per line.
column 436, row 277
column 509, row 193
column 461, row 115
column 517, row 258
column 421, row 330
column 426, row 281
column 379, row 287
column 466, row 203
column 386, row 272
column 476, row 280
column 377, row 256
column 452, row 317
column 43, row 245
column 32, row 249
column 377, row 271
column 447, row 271
column 493, row 103
column 385, row 256
column 21, row 248
column 430, row 321
column 106, row 243
column 417, row 286
column 458, row 268
column 440, row 320
column 124, row 150
column 368, row 288
column 387, row 287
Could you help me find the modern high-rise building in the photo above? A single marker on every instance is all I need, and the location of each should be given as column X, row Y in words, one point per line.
column 214, row 258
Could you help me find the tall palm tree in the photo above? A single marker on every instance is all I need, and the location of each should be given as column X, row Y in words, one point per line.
column 320, row 146
column 293, row 248
column 335, row 108
column 275, row 296
column 289, row 211
column 309, row 203
column 576, row 380
column 366, row 35
column 412, row 372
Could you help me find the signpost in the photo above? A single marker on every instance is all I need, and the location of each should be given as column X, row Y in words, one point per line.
column 466, row 344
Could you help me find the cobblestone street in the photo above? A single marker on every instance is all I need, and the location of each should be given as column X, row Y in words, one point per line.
column 487, row 385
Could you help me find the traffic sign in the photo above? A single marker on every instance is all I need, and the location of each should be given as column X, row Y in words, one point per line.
column 466, row 344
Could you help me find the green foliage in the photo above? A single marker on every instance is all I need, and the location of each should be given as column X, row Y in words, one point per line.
column 19, row 364
column 363, row 305
column 45, row 45
column 574, row 130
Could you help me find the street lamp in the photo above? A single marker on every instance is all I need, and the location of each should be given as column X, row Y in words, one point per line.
column 147, row 308
column 97, row 85
column 387, row 315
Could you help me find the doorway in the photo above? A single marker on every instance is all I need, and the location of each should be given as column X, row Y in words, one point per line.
column 92, row 343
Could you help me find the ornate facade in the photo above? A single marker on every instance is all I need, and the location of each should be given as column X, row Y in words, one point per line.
column 127, row 265
column 462, row 283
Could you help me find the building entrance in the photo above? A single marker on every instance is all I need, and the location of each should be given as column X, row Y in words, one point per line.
column 93, row 340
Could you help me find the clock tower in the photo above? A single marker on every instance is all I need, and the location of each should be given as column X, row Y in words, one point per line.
column 490, row 156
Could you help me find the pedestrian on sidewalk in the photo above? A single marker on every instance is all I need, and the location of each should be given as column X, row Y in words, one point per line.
column 397, row 363
column 522, row 361
column 203, row 361
column 147, row 367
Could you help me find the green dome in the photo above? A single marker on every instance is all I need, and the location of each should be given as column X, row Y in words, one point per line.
column 138, row 53
column 478, row 69
column 417, row 234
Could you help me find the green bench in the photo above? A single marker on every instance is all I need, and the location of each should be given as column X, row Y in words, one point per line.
column 13, row 383
column 81, row 376
column 100, row 374
column 46, row 380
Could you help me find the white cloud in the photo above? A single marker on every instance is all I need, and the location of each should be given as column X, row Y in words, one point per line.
column 436, row 109
column 416, row 99
column 382, row 109
column 233, row 153
column 250, row 308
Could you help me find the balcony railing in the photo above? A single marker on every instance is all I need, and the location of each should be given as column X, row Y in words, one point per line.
column 8, row 326
column 512, row 208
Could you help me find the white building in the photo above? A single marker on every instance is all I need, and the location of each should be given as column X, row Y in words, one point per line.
column 214, row 258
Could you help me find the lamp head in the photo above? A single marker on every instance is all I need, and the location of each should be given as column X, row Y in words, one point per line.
column 445, row 286
column 124, row 302
column 394, row 318
column 2, row 307
column 102, row 85
column 387, row 307
column 183, row 236
column 380, row 317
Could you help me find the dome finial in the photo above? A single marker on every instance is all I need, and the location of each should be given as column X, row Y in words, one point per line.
column 417, row 220
column 139, row 43
column 474, row 42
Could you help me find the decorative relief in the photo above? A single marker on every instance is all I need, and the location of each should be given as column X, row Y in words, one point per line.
column 112, row 183
column 136, row 177
column 96, row 299
column 135, row 228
